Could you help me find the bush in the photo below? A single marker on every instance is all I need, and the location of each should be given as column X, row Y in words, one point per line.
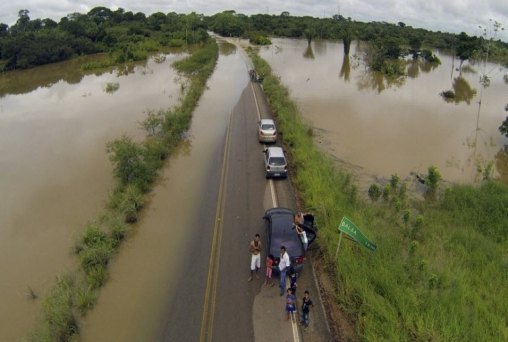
column 259, row 39
column 433, row 178
column 86, row 298
column 374, row 192
column 98, row 254
column 96, row 277
column 60, row 322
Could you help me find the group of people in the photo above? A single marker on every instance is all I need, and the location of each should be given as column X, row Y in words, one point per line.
column 285, row 270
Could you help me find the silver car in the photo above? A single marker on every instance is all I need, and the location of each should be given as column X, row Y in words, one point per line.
column 275, row 162
column 267, row 131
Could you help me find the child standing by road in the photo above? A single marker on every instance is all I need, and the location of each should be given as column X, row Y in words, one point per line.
column 292, row 280
column 290, row 304
column 269, row 266
column 306, row 305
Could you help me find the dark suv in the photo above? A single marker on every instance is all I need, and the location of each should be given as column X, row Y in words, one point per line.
column 280, row 231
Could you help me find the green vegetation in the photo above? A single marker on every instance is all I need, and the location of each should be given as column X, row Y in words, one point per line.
column 440, row 270
column 135, row 168
column 125, row 36
column 259, row 39
column 504, row 125
column 128, row 36
column 111, row 87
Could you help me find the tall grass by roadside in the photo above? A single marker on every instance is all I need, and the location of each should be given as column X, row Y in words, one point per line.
column 135, row 168
column 440, row 271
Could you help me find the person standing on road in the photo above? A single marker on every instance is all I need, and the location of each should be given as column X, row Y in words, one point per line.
column 269, row 266
column 292, row 279
column 306, row 305
column 255, row 259
column 290, row 304
column 284, row 263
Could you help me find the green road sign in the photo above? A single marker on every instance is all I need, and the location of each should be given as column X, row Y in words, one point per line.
column 348, row 227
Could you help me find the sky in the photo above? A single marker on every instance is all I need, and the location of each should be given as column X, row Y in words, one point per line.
column 437, row 15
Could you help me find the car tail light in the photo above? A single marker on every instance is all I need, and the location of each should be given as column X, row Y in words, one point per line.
column 300, row 260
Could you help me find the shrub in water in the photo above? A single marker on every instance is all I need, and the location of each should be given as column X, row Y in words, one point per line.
column 374, row 192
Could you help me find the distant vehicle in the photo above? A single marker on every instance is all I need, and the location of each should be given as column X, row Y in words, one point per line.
column 267, row 131
column 275, row 162
column 255, row 77
column 280, row 231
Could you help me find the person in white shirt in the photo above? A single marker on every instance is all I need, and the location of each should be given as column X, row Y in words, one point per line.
column 284, row 263
column 303, row 236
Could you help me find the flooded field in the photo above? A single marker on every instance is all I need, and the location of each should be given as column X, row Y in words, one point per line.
column 148, row 268
column 55, row 122
column 377, row 128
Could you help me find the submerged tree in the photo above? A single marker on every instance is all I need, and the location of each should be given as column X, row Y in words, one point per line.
column 466, row 47
column 309, row 34
column 347, row 36
column 504, row 126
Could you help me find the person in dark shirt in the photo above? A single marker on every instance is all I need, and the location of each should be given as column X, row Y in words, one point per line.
column 306, row 305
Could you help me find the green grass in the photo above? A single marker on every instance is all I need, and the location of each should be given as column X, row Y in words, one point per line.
column 135, row 169
column 440, row 271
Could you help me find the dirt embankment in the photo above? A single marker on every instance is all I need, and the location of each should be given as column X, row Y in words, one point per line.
column 341, row 327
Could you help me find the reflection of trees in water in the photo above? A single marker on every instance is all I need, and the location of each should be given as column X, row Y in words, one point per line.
column 415, row 66
column 308, row 52
column 462, row 91
column 345, row 70
column 378, row 81
column 227, row 49
column 320, row 47
column 24, row 81
column 126, row 69
column 348, row 64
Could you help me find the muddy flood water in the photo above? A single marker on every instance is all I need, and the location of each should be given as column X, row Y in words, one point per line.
column 146, row 272
column 377, row 128
column 55, row 123
column 55, row 173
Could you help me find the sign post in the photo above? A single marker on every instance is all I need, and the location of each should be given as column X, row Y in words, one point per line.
column 338, row 246
column 350, row 229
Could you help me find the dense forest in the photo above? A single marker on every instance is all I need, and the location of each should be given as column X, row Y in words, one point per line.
column 129, row 36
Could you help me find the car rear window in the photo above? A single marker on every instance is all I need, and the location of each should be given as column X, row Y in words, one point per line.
column 277, row 161
column 267, row 126
column 284, row 235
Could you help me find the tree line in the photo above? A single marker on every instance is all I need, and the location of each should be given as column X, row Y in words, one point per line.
column 31, row 42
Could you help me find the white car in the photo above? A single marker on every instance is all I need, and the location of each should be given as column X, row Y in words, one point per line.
column 267, row 131
column 275, row 162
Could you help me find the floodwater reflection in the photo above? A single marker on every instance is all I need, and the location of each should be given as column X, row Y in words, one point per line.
column 55, row 122
column 345, row 69
column 147, row 271
column 309, row 54
column 70, row 72
column 377, row 127
column 462, row 91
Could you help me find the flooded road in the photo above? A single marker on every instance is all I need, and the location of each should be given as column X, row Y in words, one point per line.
column 55, row 173
column 162, row 254
column 377, row 129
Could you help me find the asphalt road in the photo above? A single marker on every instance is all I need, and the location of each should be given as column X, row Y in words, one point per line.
column 214, row 301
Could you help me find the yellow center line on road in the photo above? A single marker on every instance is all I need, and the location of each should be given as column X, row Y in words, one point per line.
column 294, row 326
column 206, row 333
